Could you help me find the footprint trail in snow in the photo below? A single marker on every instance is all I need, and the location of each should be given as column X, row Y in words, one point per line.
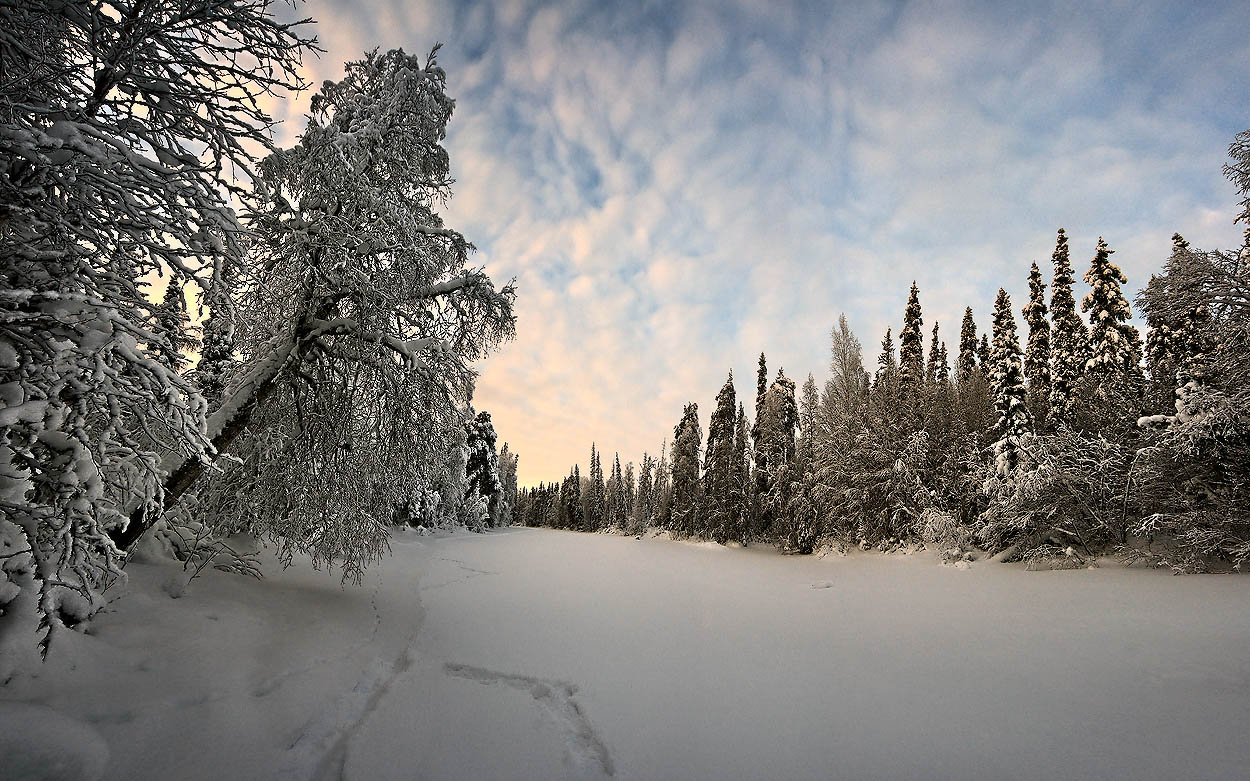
column 556, row 698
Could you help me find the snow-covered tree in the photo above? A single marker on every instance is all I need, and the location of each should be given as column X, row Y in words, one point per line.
column 887, row 365
column 482, row 467
column 1237, row 170
column 508, row 511
column 740, row 511
column 799, row 514
column 120, row 146
column 359, row 322
column 687, row 487
column 777, row 439
column 719, row 473
column 760, row 467
column 911, row 351
column 1115, row 346
column 593, row 499
column 217, row 348
column 644, row 499
column 173, row 325
column 985, row 359
column 931, row 373
column 967, row 364
column 1037, row 354
column 1010, row 394
column 1070, row 340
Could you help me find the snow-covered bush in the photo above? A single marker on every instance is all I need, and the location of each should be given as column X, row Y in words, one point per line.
column 1068, row 489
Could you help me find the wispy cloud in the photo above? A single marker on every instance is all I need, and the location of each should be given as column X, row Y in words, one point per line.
column 678, row 187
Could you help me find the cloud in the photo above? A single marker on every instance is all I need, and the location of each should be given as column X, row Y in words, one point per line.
column 677, row 187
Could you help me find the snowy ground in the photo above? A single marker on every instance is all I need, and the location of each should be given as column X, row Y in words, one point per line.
column 534, row 654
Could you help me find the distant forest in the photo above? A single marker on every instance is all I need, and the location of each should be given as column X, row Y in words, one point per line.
column 1085, row 441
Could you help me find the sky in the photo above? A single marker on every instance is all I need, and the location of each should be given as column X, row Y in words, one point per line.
column 677, row 187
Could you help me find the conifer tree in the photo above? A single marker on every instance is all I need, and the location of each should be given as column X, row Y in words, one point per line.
column 967, row 348
column 911, row 352
column 174, row 326
column 628, row 496
column 740, row 515
column 931, row 368
column 1037, row 354
column 718, row 467
column 780, row 419
column 687, row 487
column 1070, row 341
column 1165, row 338
column 217, row 359
column 595, row 500
column 575, row 515
column 1114, row 344
column 761, row 469
column 887, row 367
column 1007, row 380
column 800, row 511
column 985, row 356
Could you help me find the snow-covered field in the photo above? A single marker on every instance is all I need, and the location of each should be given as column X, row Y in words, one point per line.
column 536, row 654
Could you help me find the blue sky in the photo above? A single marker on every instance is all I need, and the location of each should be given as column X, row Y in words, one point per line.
column 678, row 186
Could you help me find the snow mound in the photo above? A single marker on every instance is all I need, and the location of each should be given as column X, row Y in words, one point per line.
column 37, row 742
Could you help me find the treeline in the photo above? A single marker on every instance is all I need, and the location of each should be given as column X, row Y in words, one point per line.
column 342, row 318
column 1083, row 440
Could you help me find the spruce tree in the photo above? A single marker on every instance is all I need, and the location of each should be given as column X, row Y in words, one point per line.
column 1037, row 354
column 1114, row 353
column 174, row 327
column 576, row 515
column 594, row 499
column 687, row 487
column 985, row 356
column 1070, row 341
column 1007, row 380
column 217, row 359
column 761, row 469
column 931, row 368
column 911, row 352
column 718, row 468
column 780, row 419
column 967, row 348
column 1165, row 337
column 887, row 368
column 740, row 515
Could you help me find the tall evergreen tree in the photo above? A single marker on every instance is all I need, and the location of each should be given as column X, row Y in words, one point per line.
column 217, row 358
column 1007, row 380
column 1165, row 338
column 718, row 467
column 967, row 348
column 594, row 501
column 575, row 514
column 1037, row 354
column 1113, row 355
column 761, row 469
column 1070, row 341
column 887, row 367
column 797, row 487
column 780, row 419
column 740, row 515
column 985, row 358
column 644, row 499
column 687, row 486
column 911, row 351
column 931, row 368
column 174, row 326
